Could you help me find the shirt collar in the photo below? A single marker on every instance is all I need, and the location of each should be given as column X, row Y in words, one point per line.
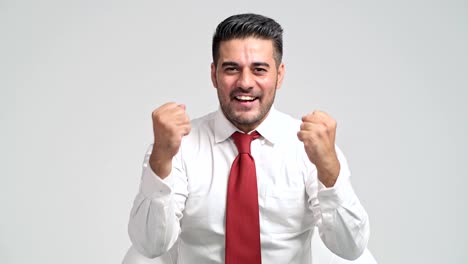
column 223, row 129
column 268, row 129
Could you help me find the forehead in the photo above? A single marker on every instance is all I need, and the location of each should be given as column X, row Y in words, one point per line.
column 246, row 49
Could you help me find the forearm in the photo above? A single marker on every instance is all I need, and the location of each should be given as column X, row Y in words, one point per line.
column 154, row 221
column 153, row 227
column 344, row 224
column 160, row 163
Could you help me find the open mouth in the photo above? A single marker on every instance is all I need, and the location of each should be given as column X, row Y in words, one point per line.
column 245, row 98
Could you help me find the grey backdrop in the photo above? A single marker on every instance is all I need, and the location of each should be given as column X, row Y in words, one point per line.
column 79, row 80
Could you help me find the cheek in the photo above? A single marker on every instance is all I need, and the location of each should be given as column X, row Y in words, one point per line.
column 227, row 82
column 223, row 92
column 268, row 85
column 225, row 86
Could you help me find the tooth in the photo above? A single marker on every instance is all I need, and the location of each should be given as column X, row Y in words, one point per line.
column 245, row 97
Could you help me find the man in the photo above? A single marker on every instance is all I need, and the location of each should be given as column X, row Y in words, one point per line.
column 247, row 183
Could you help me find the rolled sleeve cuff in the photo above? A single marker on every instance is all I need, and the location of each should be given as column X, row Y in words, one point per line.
column 152, row 186
column 339, row 194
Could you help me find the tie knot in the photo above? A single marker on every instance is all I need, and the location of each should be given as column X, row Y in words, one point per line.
column 243, row 141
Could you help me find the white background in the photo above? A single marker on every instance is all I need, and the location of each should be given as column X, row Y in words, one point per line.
column 79, row 79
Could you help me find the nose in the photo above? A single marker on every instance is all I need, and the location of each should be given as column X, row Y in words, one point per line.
column 245, row 80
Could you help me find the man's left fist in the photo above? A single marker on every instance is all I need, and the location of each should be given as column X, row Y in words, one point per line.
column 317, row 133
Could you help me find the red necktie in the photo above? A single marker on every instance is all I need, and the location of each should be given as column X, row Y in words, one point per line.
column 242, row 215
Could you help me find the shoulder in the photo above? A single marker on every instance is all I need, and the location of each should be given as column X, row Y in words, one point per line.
column 281, row 130
column 286, row 124
column 201, row 130
column 203, row 121
column 286, row 118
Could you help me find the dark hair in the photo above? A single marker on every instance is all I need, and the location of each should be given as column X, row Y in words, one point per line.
column 249, row 25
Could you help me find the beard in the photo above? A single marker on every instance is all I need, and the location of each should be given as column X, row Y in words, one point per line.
column 247, row 118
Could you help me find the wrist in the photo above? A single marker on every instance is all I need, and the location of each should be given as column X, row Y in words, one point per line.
column 329, row 174
column 161, row 166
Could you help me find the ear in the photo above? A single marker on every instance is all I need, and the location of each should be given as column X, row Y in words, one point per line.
column 214, row 80
column 280, row 76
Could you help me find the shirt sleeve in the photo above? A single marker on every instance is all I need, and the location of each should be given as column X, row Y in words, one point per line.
column 154, row 224
column 342, row 221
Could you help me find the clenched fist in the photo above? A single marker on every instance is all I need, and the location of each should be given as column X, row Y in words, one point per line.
column 317, row 132
column 170, row 124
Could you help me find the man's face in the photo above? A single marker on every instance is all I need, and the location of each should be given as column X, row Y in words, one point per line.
column 246, row 78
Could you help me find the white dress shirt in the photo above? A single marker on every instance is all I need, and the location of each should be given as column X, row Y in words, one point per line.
column 189, row 205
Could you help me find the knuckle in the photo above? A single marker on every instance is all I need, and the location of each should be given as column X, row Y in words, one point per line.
column 322, row 130
column 300, row 135
column 169, row 104
column 325, row 130
column 154, row 114
column 159, row 119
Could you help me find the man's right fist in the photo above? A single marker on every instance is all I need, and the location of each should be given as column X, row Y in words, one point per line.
column 170, row 124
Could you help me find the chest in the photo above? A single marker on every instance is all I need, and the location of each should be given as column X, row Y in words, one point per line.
column 282, row 196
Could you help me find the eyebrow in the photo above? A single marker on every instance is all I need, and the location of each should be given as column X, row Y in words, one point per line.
column 264, row 64
column 256, row 64
column 229, row 63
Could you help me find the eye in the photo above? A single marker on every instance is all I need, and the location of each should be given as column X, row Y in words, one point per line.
column 230, row 69
column 260, row 70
